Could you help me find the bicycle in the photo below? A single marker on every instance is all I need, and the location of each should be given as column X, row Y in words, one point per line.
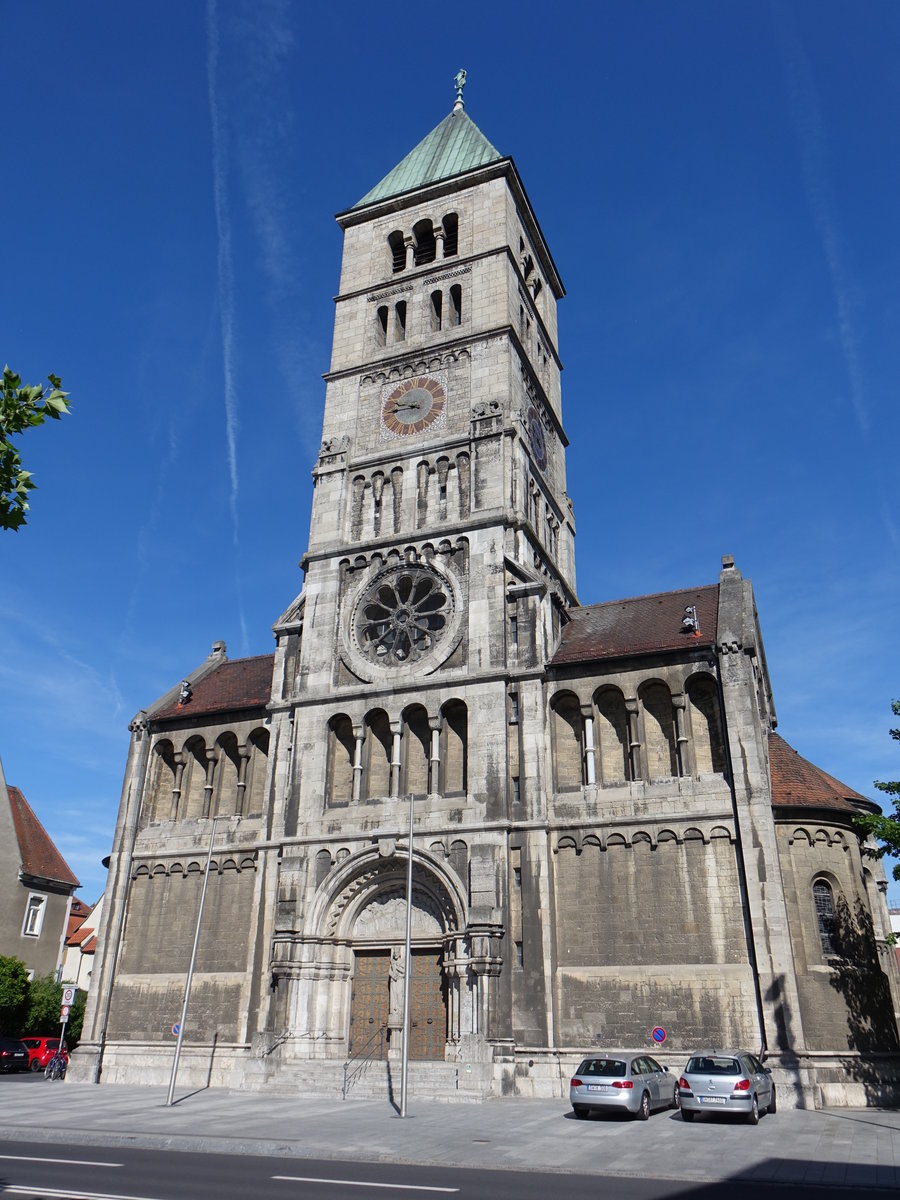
column 55, row 1068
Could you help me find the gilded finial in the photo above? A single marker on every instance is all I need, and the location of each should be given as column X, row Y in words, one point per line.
column 459, row 83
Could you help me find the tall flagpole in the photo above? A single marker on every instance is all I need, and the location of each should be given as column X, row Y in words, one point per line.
column 404, row 1062
column 190, row 974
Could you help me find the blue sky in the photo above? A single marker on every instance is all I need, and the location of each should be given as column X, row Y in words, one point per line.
column 718, row 183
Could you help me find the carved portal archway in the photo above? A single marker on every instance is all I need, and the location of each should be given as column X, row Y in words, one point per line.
column 356, row 916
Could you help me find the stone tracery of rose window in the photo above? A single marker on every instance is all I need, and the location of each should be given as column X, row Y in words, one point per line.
column 402, row 616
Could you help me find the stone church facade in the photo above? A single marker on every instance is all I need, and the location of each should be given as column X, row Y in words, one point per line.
column 609, row 836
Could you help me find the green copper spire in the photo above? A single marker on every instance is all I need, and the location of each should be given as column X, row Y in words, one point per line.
column 454, row 146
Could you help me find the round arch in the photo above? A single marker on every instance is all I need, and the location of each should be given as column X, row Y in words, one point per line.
column 369, row 877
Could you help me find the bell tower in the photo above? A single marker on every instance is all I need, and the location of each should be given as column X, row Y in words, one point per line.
column 439, row 567
column 442, row 416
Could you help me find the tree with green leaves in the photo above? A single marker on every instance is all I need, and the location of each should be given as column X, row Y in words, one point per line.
column 22, row 407
column 44, row 1003
column 886, row 828
column 14, row 989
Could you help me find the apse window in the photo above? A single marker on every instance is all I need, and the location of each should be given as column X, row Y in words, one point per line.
column 34, row 915
column 824, row 901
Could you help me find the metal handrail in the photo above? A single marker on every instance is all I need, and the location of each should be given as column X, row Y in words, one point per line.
column 363, row 1058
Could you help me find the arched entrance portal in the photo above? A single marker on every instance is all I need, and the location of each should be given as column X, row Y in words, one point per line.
column 376, row 1004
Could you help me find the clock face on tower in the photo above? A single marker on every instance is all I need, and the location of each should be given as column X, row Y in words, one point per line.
column 413, row 405
column 536, row 437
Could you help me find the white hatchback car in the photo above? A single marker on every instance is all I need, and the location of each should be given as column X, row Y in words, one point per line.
column 622, row 1081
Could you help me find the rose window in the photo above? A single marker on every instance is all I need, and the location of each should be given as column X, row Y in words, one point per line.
column 402, row 616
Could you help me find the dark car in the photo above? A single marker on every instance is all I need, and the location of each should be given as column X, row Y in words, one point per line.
column 13, row 1055
column 41, row 1050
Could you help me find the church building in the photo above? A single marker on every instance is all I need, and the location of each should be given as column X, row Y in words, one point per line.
column 611, row 842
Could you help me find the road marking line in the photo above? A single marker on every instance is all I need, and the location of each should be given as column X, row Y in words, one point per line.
column 66, row 1194
column 68, row 1162
column 406, row 1187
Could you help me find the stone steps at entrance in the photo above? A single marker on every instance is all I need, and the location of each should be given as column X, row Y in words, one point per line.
column 380, row 1080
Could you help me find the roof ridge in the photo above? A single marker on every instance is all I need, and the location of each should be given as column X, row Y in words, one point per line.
column 230, row 662
column 703, row 587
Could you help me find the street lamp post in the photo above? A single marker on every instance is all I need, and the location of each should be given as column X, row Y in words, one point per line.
column 190, row 974
column 404, row 1062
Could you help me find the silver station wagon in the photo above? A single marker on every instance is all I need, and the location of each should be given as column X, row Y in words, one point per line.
column 622, row 1081
column 726, row 1081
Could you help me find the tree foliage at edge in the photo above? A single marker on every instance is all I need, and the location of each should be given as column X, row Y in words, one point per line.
column 883, row 827
column 22, row 407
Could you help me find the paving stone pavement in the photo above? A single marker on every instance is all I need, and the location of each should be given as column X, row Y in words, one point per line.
column 858, row 1148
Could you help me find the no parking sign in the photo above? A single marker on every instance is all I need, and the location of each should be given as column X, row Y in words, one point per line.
column 659, row 1035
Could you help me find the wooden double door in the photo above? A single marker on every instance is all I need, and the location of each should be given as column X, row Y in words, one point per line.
column 370, row 1003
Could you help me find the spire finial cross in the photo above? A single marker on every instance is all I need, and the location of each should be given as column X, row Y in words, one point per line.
column 459, row 82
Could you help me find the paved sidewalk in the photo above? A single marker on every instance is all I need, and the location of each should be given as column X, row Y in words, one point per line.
column 851, row 1147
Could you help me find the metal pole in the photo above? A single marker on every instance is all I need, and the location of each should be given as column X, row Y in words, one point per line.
column 404, row 1062
column 190, row 974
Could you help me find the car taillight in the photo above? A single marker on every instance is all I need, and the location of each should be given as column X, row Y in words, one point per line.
column 742, row 1085
column 623, row 1083
column 684, row 1086
column 576, row 1082
column 5, row 1053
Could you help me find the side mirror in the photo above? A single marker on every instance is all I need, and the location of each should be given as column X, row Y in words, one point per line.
column 767, row 1070
column 666, row 1069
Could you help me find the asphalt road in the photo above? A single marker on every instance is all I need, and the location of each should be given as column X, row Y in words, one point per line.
column 25, row 1077
column 67, row 1172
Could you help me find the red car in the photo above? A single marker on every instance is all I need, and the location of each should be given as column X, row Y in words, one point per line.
column 41, row 1050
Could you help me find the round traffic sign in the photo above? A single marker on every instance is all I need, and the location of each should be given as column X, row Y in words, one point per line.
column 68, row 996
column 659, row 1035
column 175, row 1029
column 64, row 1012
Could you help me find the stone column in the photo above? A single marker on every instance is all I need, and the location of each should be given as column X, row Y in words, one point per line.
column 438, row 241
column 243, row 760
column 634, row 742
column 359, row 734
column 176, row 790
column 395, row 762
column 434, row 773
column 211, row 759
column 590, row 766
column 410, row 252
column 681, row 742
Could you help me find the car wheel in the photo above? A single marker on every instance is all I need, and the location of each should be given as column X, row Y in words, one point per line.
column 581, row 1111
column 773, row 1107
column 676, row 1100
column 35, row 1064
column 643, row 1113
column 687, row 1116
column 753, row 1114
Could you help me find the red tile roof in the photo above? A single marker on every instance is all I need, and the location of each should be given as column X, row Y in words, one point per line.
column 40, row 857
column 795, row 781
column 78, row 913
column 239, row 683
column 638, row 626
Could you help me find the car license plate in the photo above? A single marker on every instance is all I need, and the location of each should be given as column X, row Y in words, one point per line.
column 713, row 1099
column 600, row 1087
